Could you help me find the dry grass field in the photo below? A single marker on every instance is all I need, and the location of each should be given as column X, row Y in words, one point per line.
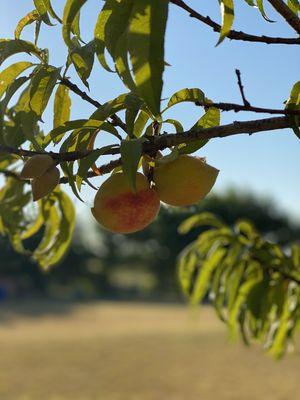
column 118, row 351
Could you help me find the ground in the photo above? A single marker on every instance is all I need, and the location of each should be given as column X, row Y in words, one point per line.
column 118, row 351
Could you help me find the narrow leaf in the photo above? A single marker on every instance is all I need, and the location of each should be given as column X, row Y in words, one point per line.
column 146, row 38
column 8, row 76
column 9, row 48
column 190, row 95
column 41, row 88
column 62, row 106
column 131, row 151
column 72, row 8
column 27, row 20
column 227, row 12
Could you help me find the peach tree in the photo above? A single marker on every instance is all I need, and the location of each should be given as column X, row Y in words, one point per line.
column 252, row 283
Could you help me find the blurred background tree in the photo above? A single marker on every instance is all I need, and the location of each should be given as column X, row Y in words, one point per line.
column 137, row 266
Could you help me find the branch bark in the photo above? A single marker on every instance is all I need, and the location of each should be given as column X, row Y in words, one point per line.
column 235, row 35
column 291, row 18
column 164, row 141
column 239, row 107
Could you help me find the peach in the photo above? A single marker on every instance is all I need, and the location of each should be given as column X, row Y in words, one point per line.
column 36, row 166
column 118, row 209
column 45, row 184
column 184, row 181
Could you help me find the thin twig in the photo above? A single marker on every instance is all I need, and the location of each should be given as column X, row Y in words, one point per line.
column 104, row 169
column 283, row 9
column 115, row 120
column 239, row 107
column 235, row 35
column 241, row 88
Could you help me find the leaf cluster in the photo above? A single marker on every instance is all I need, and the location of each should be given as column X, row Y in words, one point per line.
column 252, row 284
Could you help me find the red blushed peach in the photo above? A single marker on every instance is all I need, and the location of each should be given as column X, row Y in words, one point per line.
column 120, row 210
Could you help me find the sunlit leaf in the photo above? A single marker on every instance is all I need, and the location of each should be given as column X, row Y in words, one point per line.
column 177, row 125
column 211, row 118
column 131, row 152
column 293, row 103
column 10, row 47
column 42, row 9
column 146, row 38
column 8, row 75
column 227, row 12
column 190, row 95
column 83, row 60
column 31, row 17
column 72, row 8
column 62, row 106
column 42, row 86
column 202, row 219
column 59, row 216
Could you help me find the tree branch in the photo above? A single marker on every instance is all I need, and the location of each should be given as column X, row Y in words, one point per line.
column 164, row 141
column 115, row 120
column 103, row 169
column 283, row 9
column 238, row 127
column 239, row 107
column 241, row 87
column 235, row 35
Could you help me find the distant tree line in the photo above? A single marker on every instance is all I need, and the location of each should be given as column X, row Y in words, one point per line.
column 141, row 265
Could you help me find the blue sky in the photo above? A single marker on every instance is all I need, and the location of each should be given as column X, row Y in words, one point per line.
column 265, row 163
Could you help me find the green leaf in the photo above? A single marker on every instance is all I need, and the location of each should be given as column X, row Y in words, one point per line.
column 71, row 10
column 13, row 200
column 294, row 5
column 60, row 223
column 203, row 219
column 122, row 63
column 202, row 281
column 70, row 144
column 51, row 10
column 187, row 266
column 42, row 9
column 34, row 227
column 260, row 5
column 194, row 95
column 8, row 76
column 83, row 60
column 131, row 152
column 146, row 38
column 111, row 24
column 287, row 322
column 241, row 298
column 31, row 17
column 227, row 12
column 133, row 105
column 58, row 133
column 293, row 103
column 110, row 108
column 296, row 255
column 42, row 85
column 211, row 118
column 62, row 106
column 10, row 47
column 11, row 90
column 87, row 162
column 177, row 125
column 140, row 123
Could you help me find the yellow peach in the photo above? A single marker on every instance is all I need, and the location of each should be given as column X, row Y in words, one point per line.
column 184, row 181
